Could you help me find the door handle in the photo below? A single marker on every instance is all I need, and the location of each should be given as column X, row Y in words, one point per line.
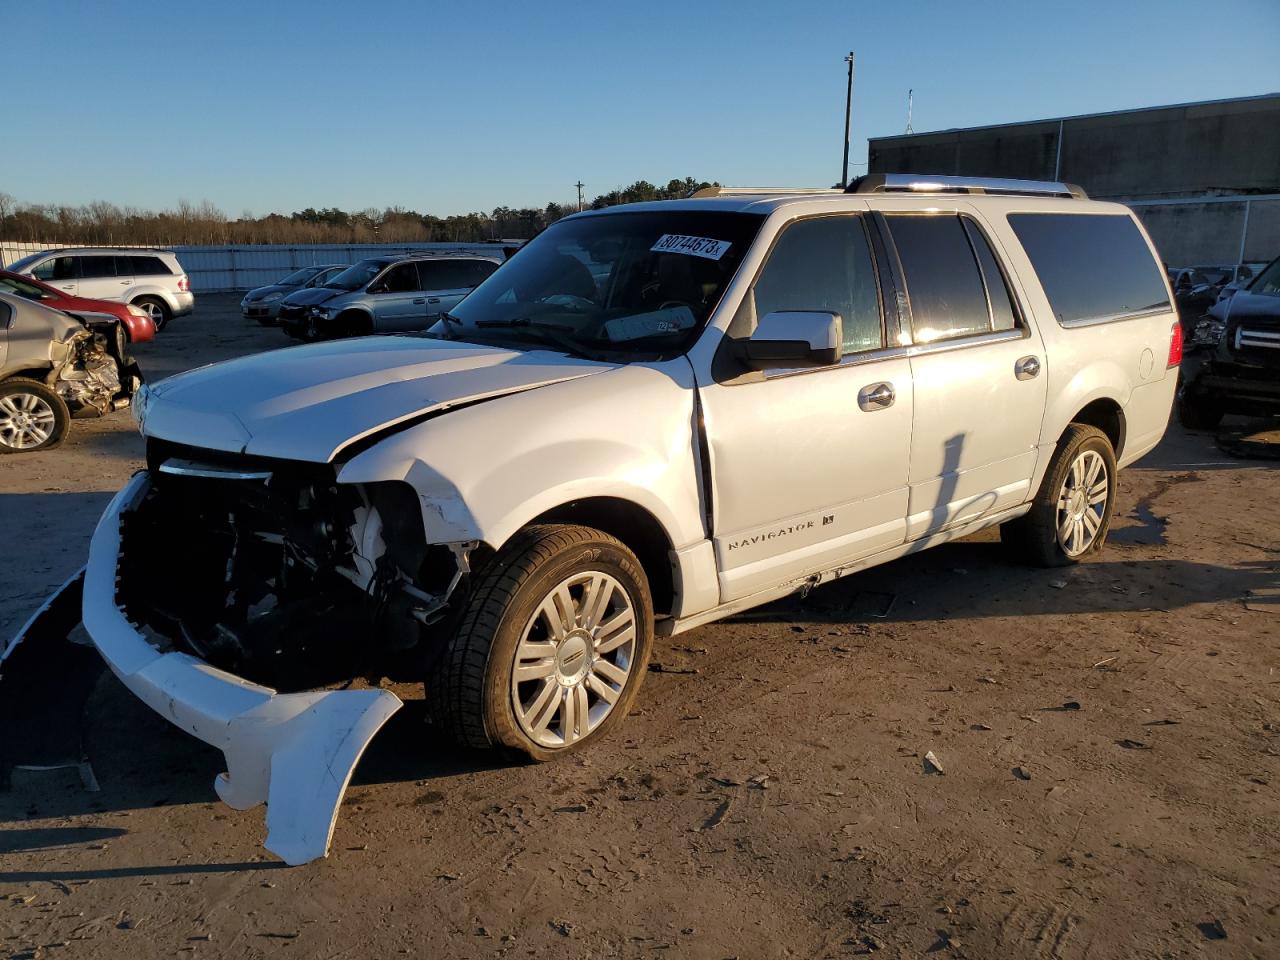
column 420, row 300
column 433, row 299
column 1028, row 368
column 876, row 396
column 125, row 283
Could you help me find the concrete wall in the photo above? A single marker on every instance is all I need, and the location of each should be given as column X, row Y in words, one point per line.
column 1229, row 146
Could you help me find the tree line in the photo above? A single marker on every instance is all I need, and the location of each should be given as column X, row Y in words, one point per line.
column 203, row 223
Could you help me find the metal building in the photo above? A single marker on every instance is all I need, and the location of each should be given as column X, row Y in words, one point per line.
column 1204, row 177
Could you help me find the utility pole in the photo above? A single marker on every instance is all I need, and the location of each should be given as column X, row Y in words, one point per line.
column 848, row 109
column 910, row 95
column 579, row 186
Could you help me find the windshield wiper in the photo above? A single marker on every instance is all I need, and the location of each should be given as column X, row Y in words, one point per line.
column 557, row 333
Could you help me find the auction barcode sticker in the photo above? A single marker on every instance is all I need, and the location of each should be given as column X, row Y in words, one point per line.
column 693, row 246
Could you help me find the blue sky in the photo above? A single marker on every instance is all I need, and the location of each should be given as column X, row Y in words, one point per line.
column 449, row 107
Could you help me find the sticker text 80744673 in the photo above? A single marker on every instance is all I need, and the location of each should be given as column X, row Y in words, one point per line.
column 693, row 246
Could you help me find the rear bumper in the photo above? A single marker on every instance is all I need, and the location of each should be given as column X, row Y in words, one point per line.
column 184, row 301
column 295, row 752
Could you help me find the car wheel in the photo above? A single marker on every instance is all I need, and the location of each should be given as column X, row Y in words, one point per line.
column 32, row 417
column 1198, row 414
column 552, row 646
column 1071, row 513
column 157, row 309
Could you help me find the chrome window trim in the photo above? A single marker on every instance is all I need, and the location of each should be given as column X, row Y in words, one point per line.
column 1115, row 317
column 912, row 350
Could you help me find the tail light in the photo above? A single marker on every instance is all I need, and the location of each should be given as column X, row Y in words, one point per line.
column 1175, row 345
column 183, row 283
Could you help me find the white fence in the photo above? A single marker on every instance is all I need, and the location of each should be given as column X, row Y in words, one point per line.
column 242, row 267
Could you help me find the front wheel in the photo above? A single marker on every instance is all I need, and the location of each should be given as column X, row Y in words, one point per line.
column 1196, row 414
column 32, row 417
column 552, row 646
column 1071, row 513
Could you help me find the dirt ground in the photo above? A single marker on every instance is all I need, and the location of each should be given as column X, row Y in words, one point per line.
column 1109, row 737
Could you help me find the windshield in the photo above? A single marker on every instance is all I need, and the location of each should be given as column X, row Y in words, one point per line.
column 619, row 284
column 20, row 265
column 22, row 289
column 1268, row 282
column 298, row 277
column 356, row 277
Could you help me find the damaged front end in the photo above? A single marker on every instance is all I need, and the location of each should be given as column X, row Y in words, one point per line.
column 98, row 376
column 240, row 596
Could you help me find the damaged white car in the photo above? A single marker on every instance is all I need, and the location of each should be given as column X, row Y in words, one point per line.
column 651, row 417
column 55, row 366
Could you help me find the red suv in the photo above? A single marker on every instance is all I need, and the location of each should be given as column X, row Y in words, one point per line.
column 137, row 323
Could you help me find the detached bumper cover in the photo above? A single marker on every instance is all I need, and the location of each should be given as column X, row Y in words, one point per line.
column 295, row 751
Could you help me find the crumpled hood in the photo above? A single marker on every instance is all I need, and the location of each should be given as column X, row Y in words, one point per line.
column 310, row 296
column 1246, row 304
column 308, row 402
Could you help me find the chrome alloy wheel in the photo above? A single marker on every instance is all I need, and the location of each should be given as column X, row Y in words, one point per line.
column 574, row 658
column 153, row 310
column 1082, row 503
column 26, row 421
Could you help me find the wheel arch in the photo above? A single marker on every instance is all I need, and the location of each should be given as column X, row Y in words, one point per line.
column 1108, row 416
column 636, row 527
column 359, row 318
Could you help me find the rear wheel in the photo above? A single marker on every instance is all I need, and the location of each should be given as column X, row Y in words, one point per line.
column 32, row 417
column 1071, row 513
column 156, row 308
column 552, row 646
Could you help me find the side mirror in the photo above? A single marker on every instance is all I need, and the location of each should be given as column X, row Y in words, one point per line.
column 793, row 338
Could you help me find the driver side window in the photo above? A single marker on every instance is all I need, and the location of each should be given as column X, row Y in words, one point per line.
column 402, row 278
column 825, row 264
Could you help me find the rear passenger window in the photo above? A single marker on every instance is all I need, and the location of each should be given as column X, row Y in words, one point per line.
column 944, row 285
column 124, row 266
column 1092, row 267
column 825, row 264
column 1003, row 314
column 95, row 268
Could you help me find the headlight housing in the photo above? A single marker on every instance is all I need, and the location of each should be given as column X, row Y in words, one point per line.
column 141, row 401
column 322, row 313
column 136, row 311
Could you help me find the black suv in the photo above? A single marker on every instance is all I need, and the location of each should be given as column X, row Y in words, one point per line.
column 1242, row 373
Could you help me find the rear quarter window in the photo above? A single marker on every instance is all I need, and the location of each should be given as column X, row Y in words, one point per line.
column 1093, row 267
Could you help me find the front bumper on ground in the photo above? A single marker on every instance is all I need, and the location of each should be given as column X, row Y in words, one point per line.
column 295, row 751
column 1236, row 389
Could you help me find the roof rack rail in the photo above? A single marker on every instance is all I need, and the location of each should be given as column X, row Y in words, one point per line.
column 757, row 191
column 925, row 183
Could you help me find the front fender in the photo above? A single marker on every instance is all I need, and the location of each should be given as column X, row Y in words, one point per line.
column 483, row 472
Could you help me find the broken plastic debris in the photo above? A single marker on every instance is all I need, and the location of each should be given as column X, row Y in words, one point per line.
column 932, row 764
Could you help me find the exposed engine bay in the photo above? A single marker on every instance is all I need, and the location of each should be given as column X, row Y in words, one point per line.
column 97, row 375
column 275, row 572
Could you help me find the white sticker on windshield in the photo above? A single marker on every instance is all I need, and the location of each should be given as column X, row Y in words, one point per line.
column 693, row 246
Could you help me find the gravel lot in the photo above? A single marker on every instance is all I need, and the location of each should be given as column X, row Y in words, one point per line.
column 1109, row 734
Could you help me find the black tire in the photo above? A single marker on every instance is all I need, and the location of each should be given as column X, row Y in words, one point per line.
column 1034, row 537
column 159, row 310
column 18, row 387
column 353, row 323
column 470, row 688
column 1197, row 414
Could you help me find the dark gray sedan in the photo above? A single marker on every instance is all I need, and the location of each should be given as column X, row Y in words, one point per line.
column 263, row 303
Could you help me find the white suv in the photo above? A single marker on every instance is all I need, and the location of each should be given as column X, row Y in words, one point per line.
column 151, row 279
column 651, row 417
